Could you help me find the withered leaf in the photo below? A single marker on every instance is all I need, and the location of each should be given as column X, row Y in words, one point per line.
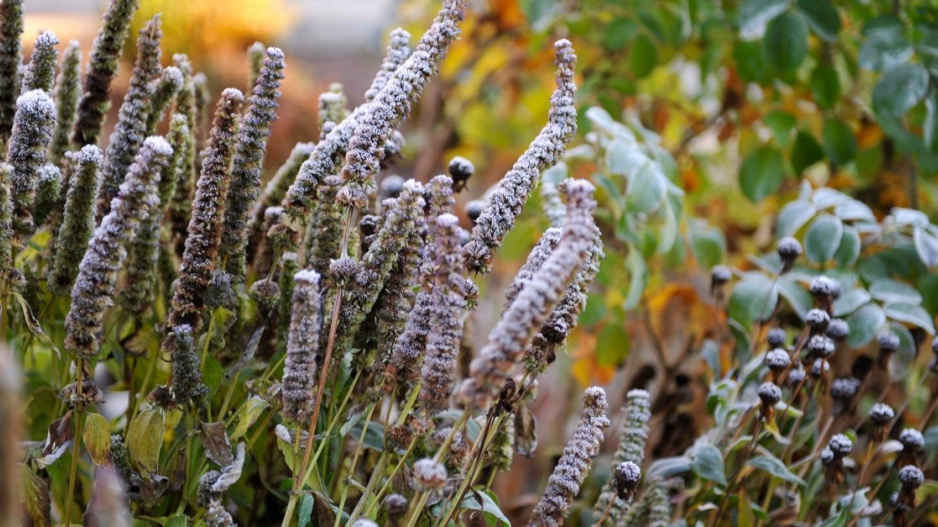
column 97, row 438
column 215, row 441
column 324, row 513
column 36, row 501
column 230, row 473
column 57, row 441
column 144, row 439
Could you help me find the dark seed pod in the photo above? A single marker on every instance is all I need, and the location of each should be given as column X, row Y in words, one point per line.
column 391, row 186
column 838, row 329
column 820, row 346
column 474, row 209
column 719, row 276
column 840, row 445
column 789, row 249
column 818, row 320
column 627, row 475
column 776, row 337
column 770, row 394
column 460, row 169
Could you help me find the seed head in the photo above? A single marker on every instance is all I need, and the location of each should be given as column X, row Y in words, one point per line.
column 429, row 474
column 770, row 394
column 776, row 337
column 789, row 249
column 911, row 476
column 628, row 475
column 777, row 360
column 882, row 414
column 822, row 286
column 912, row 440
column 844, row 387
column 838, row 329
column 888, row 342
column 840, row 445
column 474, row 209
column 818, row 320
column 396, row 506
column 391, row 186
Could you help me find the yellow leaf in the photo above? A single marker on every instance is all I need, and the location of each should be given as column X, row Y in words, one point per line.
column 145, row 438
column 97, row 438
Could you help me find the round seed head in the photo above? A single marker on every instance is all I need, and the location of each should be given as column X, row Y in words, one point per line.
column 628, row 475
column 911, row 476
column 369, row 224
column 838, row 329
column 770, row 394
column 823, row 286
column 881, row 414
column 391, row 186
column 888, row 342
column 396, row 506
column 912, row 440
column 777, row 359
column 776, row 337
column 844, row 388
column 821, row 346
column 818, row 320
column 827, row 456
column 820, row 368
column 789, row 249
column 429, row 474
column 720, row 274
column 840, row 445
column 796, row 375
column 474, row 209
column 460, row 169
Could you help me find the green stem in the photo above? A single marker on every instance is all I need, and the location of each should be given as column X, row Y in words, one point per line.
column 355, row 458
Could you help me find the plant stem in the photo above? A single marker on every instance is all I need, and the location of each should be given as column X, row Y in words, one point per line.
column 351, row 470
column 76, row 448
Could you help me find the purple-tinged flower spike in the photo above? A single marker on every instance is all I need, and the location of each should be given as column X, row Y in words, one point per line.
column 247, row 164
column 67, row 92
column 393, row 102
column 397, row 53
column 574, row 465
column 6, row 221
column 178, row 137
column 32, row 130
column 299, row 370
column 505, row 203
column 332, row 108
column 141, row 282
column 274, row 192
column 631, row 449
column 102, row 68
column 552, row 205
column 536, row 258
column 256, row 53
column 108, row 505
column 400, row 220
column 217, row 516
column 396, row 300
column 324, row 232
column 97, row 273
column 11, row 55
column 180, row 208
column 78, row 219
column 163, row 90
column 187, row 386
column 198, row 260
column 47, row 192
column 40, row 72
column 446, row 321
column 508, row 341
column 132, row 118
column 327, row 156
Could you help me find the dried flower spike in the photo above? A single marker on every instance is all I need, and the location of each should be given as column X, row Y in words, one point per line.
column 573, row 467
column 634, row 435
column 67, row 92
column 299, row 371
column 11, row 55
column 505, row 203
column 40, row 72
column 32, row 130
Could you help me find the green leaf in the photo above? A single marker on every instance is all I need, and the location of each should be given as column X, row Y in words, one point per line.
column 781, row 123
column 754, row 298
column 145, row 438
column 849, row 250
column 796, row 295
column 851, row 301
column 839, row 141
column 600, row 118
column 646, row 189
column 644, row 56
column 793, row 216
column 755, row 14
column 247, row 414
column 776, row 467
column 805, row 152
column 930, row 125
column 823, row 238
column 750, row 60
column 177, row 520
column 825, row 86
column 638, row 279
column 864, row 324
column 306, row 510
column 212, row 374
column 624, row 157
column 786, row 41
column 619, row 32
column 926, row 246
column 485, row 501
column 97, row 438
column 612, row 348
column 707, row 243
column 888, row 291
column 884, row 44
column 911, row 314
column 822, row 16
column 762, row 173
column 899, row 89
column 853, row 210
column 708, row 464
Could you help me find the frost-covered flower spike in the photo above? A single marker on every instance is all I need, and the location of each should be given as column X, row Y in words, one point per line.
column 392, row 103
column 494, row 365
column 40, row 72
column 631, row 449
column 11, row 55
column 132, row 117
column 32, row 130
column 247, row 164
column 446, row 320
column 299, row 370
column 97, row 273
column 163, row 90
column 67, row 92
column 201, row 246
column 102, row 68
column 505, row 203
column 574, row 465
